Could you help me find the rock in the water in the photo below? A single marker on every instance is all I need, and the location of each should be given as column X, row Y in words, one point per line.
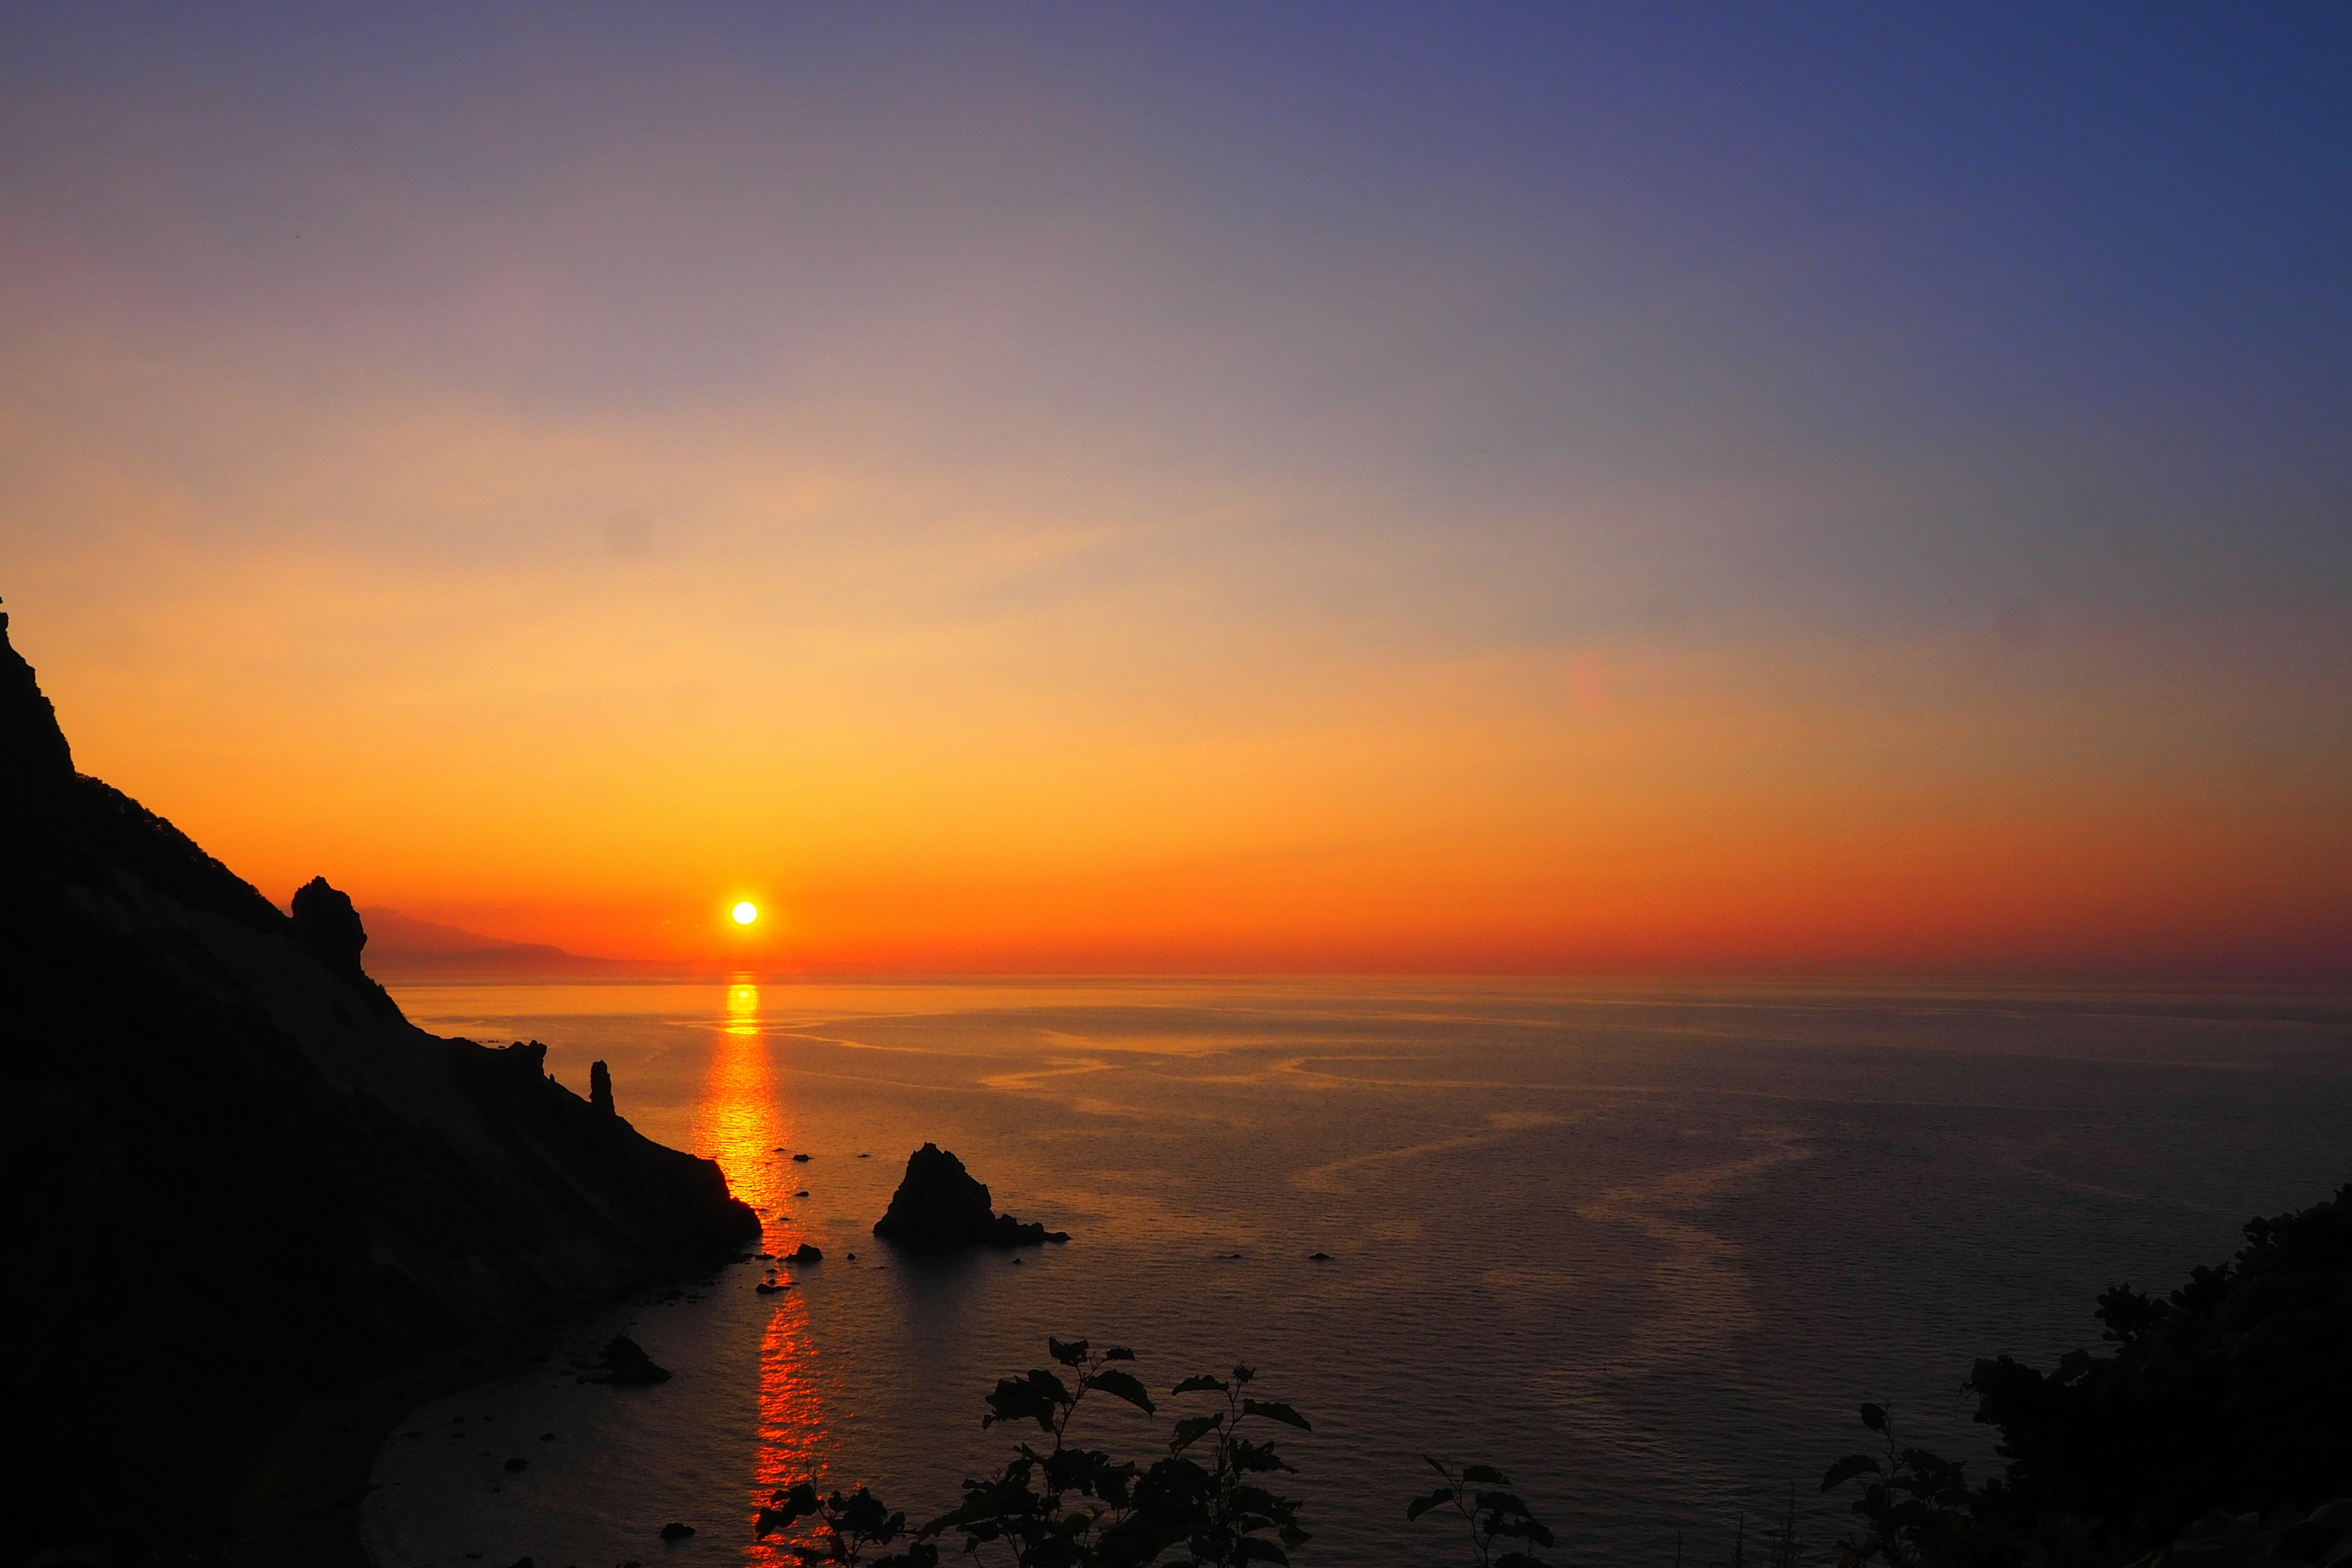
column 600, row 1088
column 800, row 1159
column 517, row 1466
column 804, row 1253
column 1319, row 1258
column 938, row 1204
column 625, row 1362
column 674, row 1531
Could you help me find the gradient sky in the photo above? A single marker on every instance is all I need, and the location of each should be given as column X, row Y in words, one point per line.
column 1826, row 489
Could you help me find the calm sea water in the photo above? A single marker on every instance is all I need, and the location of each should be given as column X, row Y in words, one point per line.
column 1644, row 1249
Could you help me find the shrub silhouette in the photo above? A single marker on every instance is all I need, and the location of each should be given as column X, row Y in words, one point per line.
column 1209, row 1500
column 1480, row 1496
column 2225, row 1400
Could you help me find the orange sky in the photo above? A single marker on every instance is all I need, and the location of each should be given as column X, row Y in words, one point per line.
column 1130, row 499
column 1910, row 808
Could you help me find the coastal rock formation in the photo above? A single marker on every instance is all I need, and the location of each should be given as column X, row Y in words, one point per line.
column 939, row 1204
column 202, row 1090
column 325, row 926
column 625, row 1362
column 600, row 1089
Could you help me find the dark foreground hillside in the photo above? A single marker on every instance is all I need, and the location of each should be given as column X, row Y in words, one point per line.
column 234, row 1178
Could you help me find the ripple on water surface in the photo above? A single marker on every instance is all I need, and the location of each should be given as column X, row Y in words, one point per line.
column 1645, row 1249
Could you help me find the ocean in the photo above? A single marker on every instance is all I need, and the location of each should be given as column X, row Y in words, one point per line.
column 1643, row 1247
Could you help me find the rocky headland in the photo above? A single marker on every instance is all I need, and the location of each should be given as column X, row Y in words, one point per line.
column 235, row 1181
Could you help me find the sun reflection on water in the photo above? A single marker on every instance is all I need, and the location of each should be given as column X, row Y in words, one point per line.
column 741, row 1123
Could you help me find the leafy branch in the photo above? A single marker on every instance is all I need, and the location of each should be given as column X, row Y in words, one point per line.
column 1059, row 1503
column 1479, row 1494
column 849, row 1525
column 1915, row 1506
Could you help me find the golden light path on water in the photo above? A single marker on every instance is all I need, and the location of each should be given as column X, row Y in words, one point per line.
column 740, row 1123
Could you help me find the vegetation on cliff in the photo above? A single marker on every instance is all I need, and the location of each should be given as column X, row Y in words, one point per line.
column 2214, row 1429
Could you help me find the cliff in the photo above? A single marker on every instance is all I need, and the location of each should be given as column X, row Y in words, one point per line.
column 234, row 1178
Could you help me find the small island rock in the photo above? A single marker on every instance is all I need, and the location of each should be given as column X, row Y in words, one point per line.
column 625, row 1362
column 938, row 1204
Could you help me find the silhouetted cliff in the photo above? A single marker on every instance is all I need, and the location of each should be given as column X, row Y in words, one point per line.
column 233, row 1177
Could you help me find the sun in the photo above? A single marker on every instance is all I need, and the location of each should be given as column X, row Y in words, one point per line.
column 746, row 912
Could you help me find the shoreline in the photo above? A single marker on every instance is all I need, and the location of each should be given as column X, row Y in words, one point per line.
column 300, row 1506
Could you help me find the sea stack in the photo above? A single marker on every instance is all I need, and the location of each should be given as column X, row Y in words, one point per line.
column 939, row 1204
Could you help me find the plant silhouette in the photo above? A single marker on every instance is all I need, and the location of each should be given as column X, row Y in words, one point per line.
column 1480, row 1496
column 1058, row 1504
column 2213, row 1428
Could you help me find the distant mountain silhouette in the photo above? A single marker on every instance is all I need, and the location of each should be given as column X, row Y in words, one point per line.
column 401, row 947
column 234, row 1178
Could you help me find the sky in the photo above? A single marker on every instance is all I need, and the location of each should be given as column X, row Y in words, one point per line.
column 1680, row 489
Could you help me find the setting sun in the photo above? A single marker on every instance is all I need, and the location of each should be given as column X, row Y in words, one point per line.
column 746, row 912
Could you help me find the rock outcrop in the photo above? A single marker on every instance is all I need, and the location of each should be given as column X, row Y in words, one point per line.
column 325, row 926
column 233, row 1179
column 625, row 1362
column 940, row 1203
